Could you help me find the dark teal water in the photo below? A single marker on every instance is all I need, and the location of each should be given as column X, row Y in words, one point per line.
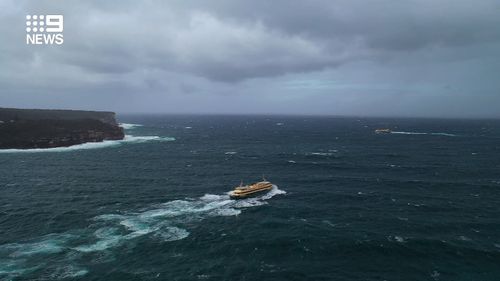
column 421, row 204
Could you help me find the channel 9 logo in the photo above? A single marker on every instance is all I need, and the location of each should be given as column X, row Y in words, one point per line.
column 44, row 29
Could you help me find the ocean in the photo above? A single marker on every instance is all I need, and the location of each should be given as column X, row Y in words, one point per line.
column 420, row 203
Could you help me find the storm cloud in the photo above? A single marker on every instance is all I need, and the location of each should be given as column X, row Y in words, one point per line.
column 384, row 57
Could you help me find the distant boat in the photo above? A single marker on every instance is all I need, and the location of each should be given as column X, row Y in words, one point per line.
column 245, row 191
column 383, row 131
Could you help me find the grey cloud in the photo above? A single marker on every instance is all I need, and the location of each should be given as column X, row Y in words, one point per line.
column 161, row 50
column 236, row 40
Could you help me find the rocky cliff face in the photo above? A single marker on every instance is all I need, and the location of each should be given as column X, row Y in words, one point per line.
column 26, row 128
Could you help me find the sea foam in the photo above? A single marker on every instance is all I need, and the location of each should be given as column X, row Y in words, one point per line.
column 48, row 244
column 166, row 222
column 129, row 139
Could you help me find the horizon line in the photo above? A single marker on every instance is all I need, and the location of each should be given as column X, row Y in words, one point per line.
column 331, row 115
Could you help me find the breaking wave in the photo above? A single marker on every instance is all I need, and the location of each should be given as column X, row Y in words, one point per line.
column 129, row 126
column 165, row 222
column 420, row 133
column 129, row 139
column 320, row 153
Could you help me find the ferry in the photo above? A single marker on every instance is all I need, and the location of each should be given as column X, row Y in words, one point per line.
column 245, row 191
column 383, row 131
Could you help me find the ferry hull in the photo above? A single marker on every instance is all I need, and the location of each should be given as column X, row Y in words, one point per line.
column 242, row 194
column 249, row 195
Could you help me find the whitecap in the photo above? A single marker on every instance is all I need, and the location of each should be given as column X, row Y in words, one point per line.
column 129, row 126
column 422, row 133
column 408, row 133
column 327, row 222
column 415, row 204
column 399, row 239
column 321, row 153
column 435, row 275
column 396, row 238
column 464, row 238
column 230, row 152
column 142, row 139
column 444, row 134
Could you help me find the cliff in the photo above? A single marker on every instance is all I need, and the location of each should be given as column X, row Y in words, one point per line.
column 39, row 128
column 7, row 114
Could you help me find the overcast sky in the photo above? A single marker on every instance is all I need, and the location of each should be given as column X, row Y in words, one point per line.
column 429, row 58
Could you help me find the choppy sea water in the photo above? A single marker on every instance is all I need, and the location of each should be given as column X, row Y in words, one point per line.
column 422, row 203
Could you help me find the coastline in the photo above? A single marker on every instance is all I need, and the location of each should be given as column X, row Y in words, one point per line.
column 43, row 129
